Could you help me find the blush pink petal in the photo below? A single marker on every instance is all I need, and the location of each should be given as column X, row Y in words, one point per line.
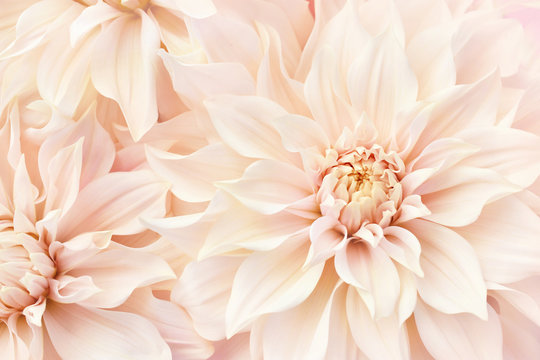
column 69, row 290
column 456, row 196
column 459, row 336
column 373, row 274
column 124, row 198
column 237, row 347
column 475, row 57
column 325, row 234
column 402, row 246
column 172, row 322
column 341, row 344
column 504, row 260
column 118, row 273
column 461, row 107
column 98, row 150
column 62, row 179
column 69, row 254
column 102, row 334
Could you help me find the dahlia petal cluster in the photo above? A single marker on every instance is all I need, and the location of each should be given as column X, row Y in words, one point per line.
column 270, row 179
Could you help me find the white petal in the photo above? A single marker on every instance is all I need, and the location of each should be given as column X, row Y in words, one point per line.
column 101, row 334
column 194, row 83
column 330, row 109
column 459, row 336
column 452, row 281
column 508, row 151
column 299, row 133
column 270, row 282
column 244, row 123
column 377, row 338
column 122, row 69
column 193, row 176
column 240, row 227
column 269, row 186
column 431, row 58
column 273, row 81
column 204, row 290
column 407, row 294
column 302, row 332
column 381, row 83
column 89, row 18
column 228, row 39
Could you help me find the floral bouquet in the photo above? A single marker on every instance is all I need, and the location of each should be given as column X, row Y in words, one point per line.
column 269, row 179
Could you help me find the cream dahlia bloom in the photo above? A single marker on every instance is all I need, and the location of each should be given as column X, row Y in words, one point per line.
column 376, row 201
column 108, row 46
column 70, row 287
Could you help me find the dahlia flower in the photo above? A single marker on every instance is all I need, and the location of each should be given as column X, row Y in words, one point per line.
column 374, row 198
column 67, row 288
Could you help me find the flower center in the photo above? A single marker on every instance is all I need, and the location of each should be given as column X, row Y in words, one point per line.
column 361, row 186
column 25, row 269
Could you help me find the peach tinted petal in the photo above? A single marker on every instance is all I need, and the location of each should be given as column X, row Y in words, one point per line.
column 374, row 337
column 193, row 176
column 204, row 289
column 172, row 322
column 505, row 240
column 118, row 273
column 284, row 287
column 123, row 198
column 462, row 336
column 101, row 334
column 269, row 186
column 453, row 281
